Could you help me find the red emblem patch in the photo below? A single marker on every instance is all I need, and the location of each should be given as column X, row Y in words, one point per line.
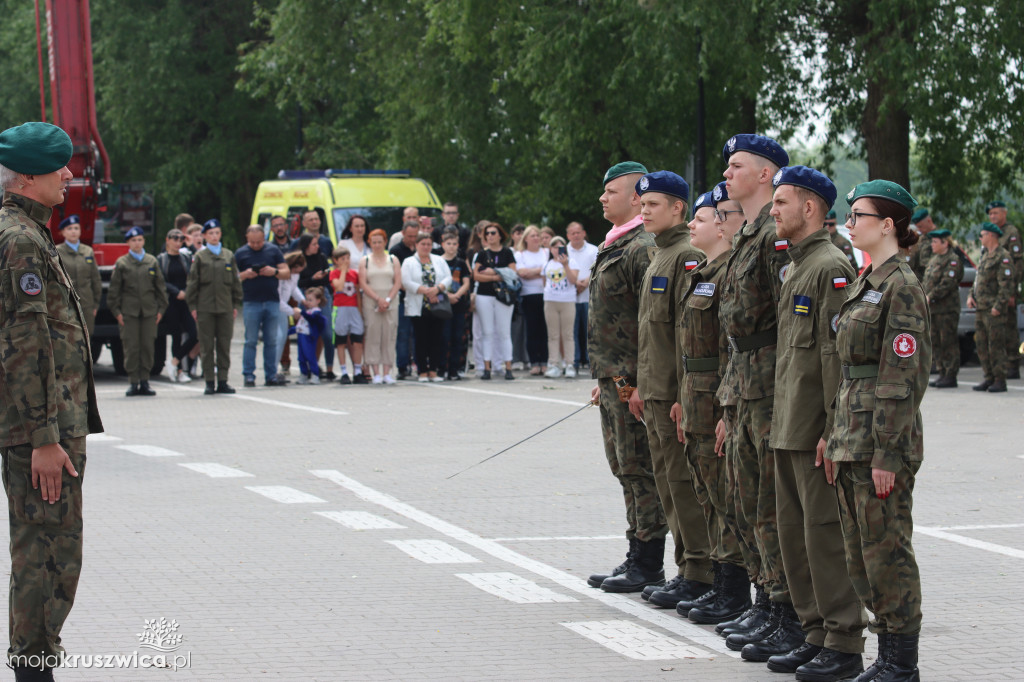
column 904, row 345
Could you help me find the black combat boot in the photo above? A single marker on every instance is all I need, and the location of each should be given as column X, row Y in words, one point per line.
column 685, row 590
column 787, row 636
column 683, row 607
column 946, row 381
column 733, row 598
column 210, row 390
column 998, row 386
column 751, row 619
column 1013, row 372
column 738, row 640
column 983, row 386
column 223, row 387
column 144, row 388
column 901, row 660
column 880, row 662
column 651, row 589
column 829, row 665
column 789, row 662
column 598, row 578
column 648, row 569
column 132, row 390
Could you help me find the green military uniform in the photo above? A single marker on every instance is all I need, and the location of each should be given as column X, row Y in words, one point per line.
column 85, row 274
column 942, row 286
column 806, row 378
column 137, row 292
column 214, row 292
column 1011, row 241
column 844, row 245
column 48, row 397
column 993, row 288
column 920, row 254
column 664, row 286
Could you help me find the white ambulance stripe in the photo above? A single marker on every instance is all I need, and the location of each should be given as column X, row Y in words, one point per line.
column 513, row 588
column 214, row 470
column 634, row 641
column 433, row 552
column 284, row 494
column 357, row 520
column 150, row 451
column 100, row 438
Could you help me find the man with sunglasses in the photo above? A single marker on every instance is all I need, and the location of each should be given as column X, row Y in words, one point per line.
column 838, row 240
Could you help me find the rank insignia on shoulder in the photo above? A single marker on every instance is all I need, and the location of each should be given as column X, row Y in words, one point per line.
column 659, row 284
column 690, row 264
column 704, row 289
column 801, row 305
column 839, row 282
column 781, row 244
column 904, row 345
column 228, row 268
column 872, row 296
column 31, row 284
column 89, row 259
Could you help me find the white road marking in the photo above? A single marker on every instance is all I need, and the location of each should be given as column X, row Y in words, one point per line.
column 513, row 588
column 992, row 527
column 214, row 470
column 433, row 552
column 502, row 394
column 560, row 538
column 100, row 438
column 149, row 451
column 663, row 619
column 282, row 493
column 357, row 520
column 634, row 641
column 970, row 542
column 267, row 401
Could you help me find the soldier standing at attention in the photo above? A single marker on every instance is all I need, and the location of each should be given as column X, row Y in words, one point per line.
column 612, row 340
column 922, row 253
column 1011, row 241
column 806, row 379
column 883, row 343
column 214, row 294
column 750, row 296
column 663, row 196
column 49, row 399
column 991, row 297
column 942, row 286
column 80, row 262
column 137, row 297
column 838, row 240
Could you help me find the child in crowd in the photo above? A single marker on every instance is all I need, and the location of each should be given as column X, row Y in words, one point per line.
column 559, row 309
column 455, row 328
column 348, row 321
column 309, row 328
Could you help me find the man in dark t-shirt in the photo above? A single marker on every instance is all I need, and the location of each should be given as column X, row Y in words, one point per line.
column 260, row 266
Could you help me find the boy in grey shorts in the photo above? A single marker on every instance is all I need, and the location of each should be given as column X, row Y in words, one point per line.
column 348, row 321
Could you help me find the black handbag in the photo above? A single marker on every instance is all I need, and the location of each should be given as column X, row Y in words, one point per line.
column 442, row 310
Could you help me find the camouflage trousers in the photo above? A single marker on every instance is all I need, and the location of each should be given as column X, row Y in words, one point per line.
column 683, row 512
column 945, row 344
column 744, row 533
column 814, row 554
column 1012, row 338
column 710, row 483
column 46, row 551
column 755, row 490
column 990, row 338
column 879, row 553
column 629, row 456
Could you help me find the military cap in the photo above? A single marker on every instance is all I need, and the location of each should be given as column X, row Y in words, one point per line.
column 35, row 148
column 831, row 215
column 809, row 179
column 719, row 194
column 210, row 224
column 883, row 189
column 994, row 204
column 665, row 182
column 703, row 201
column 939, row 233
column 70, row 220
column 756, row 144
column 919, row 215
column 135, row 231
column 990, row 227
column 624, row 168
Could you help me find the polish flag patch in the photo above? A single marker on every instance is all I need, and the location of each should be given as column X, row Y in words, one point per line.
column 839, row 282
column 904, row 345
column 690, row 264
column 782, row 245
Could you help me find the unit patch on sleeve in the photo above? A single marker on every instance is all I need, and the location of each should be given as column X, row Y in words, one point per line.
column 872, row 296
column 839, row 282
column 704, row 289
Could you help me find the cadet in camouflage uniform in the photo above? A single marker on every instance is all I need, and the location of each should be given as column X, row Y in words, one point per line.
column 612, row 338
column 884, row 345
column 921, row 253
column 80, row 262
column 806, row 379
column 942, row 286
column 214, row 295
column 49, row 399
column 663, row 197
column 1012, row 242
column 991, row 296
column 838, row 240
column 137, row 297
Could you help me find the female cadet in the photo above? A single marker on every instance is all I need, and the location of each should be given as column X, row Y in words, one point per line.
column 942, row 285
column 883, row 340
column 137, row 298
column 80, row 262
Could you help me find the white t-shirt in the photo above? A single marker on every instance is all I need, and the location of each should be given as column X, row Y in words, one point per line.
column 557, row 287
column 583, row 260
column 354, row 253
column 532, row 259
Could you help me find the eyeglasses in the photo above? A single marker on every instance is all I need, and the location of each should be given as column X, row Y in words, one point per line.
column 852, row 217
column 490, row 233
column 724, row 215
column 179, row 238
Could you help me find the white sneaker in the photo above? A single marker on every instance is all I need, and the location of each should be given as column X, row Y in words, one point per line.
column 518, row 366
column 171, row 372
column 303, row 380
column 389, row 379
column 570, row 372
column 285, row 371
column 183, row 377
column 194, row 368
column 553, row 372
column 423, row 379
column 377, row 379
column 437, row 379
column 314, row 379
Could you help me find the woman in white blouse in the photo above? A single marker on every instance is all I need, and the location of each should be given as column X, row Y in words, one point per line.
column 530, row 264
column 353, row 238
column 426, row 277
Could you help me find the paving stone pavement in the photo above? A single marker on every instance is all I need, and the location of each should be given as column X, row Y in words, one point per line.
column 321, row 580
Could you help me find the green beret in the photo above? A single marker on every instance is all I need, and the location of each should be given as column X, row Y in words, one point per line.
column 994, row 204
column 939, row 233
column 624, row 168
column 35, row 148
column 919, row 215
column 831, row 215
column 882, row 189
column 989, row 227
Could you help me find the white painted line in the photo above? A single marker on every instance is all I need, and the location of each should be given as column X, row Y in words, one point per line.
column 357, row 520
column 214, row 470
column 513, row 588
column 502, row 394
column 100, row 438
column 149, row 451
column 433, row 552
column 634, row 641
column 267, row 401
column 971, row 542
column 559, row 538
column 993, row 527
column 637, row 609
column 282, row 493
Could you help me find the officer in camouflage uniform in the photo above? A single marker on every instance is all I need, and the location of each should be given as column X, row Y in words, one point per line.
column 838, row 240
column 991, row 297
column 214, row 295
column 663, row 196
column 921, row 253
column 612, row 340
column 942, row 285
column 883, row 341
column 1012, row 242
column 80, row 262
column 49, row 399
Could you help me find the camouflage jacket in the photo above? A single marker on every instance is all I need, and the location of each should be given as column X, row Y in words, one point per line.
column 751, row 290
column 45, row 360
column 807, row 373
column 884, row 343
column 942, row 282
column 84, row 273
column 137, row 288
column 701, row 345
column 615, row 283
column 920, row 255
column 1011, row 241
column 994, row 283
column 664, row 286
column 844, row 245
column 213, row 284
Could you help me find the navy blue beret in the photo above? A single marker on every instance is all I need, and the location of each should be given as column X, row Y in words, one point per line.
column 807, row 178
column 665, row 182
column 719, row 194
column 703, row 201
column 70, row 220
column 134, row 232
column 756, row 144
column 210, row 224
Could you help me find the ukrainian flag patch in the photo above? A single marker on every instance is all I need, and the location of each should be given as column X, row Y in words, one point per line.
column 659, row 284
column 801, row 305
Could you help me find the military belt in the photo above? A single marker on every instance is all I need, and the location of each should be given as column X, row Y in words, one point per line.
column 859, row 371
column 700, row 364
column 741, row 344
